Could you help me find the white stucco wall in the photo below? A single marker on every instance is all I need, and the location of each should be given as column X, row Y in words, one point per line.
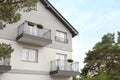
column 45, row 55
column 9, row 76
column 44, row 17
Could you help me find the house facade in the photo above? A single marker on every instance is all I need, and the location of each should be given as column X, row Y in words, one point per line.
column 42, row 42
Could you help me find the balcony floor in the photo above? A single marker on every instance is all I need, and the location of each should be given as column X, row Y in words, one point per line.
column 4, row 68
column 35, row 40
column 64, row 73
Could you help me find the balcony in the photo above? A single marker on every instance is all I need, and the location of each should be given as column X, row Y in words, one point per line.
column 5, row 65
column 32, row 34
column 64, row 68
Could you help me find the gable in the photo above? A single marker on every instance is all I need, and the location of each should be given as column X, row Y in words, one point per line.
column 50, row 7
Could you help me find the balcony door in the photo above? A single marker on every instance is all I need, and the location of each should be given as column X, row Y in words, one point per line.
column 61, row 58
column 32, row 30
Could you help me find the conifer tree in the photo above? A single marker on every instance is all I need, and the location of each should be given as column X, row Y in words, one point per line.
column 9, row 9
column 105, row 54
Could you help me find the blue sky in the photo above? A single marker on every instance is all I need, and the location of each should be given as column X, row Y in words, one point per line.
column 92, row 18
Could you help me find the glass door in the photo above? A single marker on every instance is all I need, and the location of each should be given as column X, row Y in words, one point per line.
column 32, row 30
column 61, row 59
column 35, row 30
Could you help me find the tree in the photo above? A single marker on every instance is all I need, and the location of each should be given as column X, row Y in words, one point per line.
column 105, row 54
column 101, row 76
column 75, row 78
column 9, row 9
column 5, row 50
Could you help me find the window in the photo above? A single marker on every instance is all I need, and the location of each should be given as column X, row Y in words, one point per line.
column 61, row 36
column 60, row 56
column 29, row 55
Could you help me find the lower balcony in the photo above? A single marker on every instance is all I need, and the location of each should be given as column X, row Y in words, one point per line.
column 64, row 68
column 5, row 65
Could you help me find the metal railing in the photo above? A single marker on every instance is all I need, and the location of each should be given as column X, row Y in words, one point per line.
column 5, row 61
column 34, row 31
column 60, row 64
column 1, row 25
column 60, row 39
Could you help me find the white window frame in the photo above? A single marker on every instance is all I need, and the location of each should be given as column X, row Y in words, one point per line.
column 65, row 56
column 27, row 57
column 61, row 36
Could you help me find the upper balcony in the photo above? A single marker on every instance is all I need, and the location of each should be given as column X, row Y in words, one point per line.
column 61, row 67
column 34, row 34
column 5, row 65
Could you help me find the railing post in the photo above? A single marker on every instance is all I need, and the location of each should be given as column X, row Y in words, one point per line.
column 58, row 64
column 65, row 64
column 50, row 34
column 51, row 65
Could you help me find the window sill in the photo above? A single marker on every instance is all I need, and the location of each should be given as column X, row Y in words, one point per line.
column 62, row 40
column 30, row 61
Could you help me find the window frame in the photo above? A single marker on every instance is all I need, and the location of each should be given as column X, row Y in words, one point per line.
column 28, row 60
column 65, row 55
column 57, row 38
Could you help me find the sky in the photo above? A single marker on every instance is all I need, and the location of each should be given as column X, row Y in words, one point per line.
column 92, row 19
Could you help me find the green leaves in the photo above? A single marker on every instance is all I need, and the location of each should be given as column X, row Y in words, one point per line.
column 5, row 50
column 9, row 9
column 105, row 54
column 118, row 40
column 114, row 74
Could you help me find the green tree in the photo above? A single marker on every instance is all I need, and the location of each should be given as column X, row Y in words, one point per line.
column 5, row 50
column 87, row 78
column 9, row 9
column 75, row 78
column 105, row 54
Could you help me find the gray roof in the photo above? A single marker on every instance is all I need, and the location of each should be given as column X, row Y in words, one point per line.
column 50, row 7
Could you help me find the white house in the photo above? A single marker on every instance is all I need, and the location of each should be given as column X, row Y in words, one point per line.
column 42, row 42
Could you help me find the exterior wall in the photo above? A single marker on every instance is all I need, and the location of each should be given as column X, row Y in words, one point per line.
column 47, row 19
column 45, row 55
column 10, row 76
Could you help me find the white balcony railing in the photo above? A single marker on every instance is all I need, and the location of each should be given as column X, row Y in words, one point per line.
column 5, row 61
column 60, row 64
column 34, row 31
